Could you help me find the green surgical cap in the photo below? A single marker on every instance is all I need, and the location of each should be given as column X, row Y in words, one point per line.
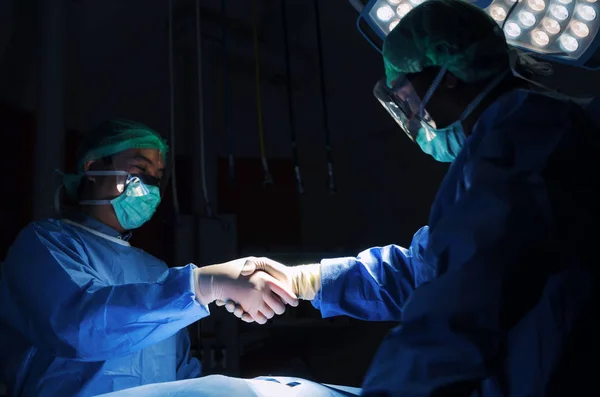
column 115, row 136
column 451, row 33
column 109, row 138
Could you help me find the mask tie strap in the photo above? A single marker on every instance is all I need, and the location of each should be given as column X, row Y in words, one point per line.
column 106, row 173
column 477, row 101
column 95, row 202
column 431, row 90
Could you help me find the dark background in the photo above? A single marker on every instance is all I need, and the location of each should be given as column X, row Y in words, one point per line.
column 116, row 65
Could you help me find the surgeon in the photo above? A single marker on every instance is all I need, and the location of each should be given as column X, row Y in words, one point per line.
column 82, row 311
column 495, row 296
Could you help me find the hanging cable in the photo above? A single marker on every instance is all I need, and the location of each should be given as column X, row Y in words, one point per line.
column 288, row 74
column 268, row 180
column 172, row 109
column 226, row 78
column 207, row 206
column 332, row 187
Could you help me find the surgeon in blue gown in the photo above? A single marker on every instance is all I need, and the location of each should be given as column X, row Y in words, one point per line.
column 497, row 295
column 82, row 311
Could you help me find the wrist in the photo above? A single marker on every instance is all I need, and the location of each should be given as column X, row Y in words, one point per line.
column 306, row 281
column 204, row 287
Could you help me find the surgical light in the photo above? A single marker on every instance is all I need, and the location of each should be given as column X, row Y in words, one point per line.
column 559, row 12
column 586, row 12
column 560, row 30
column 551, row 26
column 540, row 38
column 403, row 9
column 527, row 19
column 512, row 29
column 385, row 13
column 569, row 43
column 580, row 29
column 536, row 5
column 498, row 13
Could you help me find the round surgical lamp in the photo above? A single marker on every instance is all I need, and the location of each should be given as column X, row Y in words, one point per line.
column 564, row 31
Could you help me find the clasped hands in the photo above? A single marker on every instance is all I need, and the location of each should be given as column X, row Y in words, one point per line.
column 255, row 289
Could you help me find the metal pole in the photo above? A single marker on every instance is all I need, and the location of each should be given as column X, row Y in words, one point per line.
column 332, row 188
column 200, row 196
column 50, row 112
column 288, row 78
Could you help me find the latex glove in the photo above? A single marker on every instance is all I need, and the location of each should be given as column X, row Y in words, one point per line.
column 304, row 281
column 257, row 293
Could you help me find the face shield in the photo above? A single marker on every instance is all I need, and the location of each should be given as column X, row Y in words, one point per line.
column 404, row 105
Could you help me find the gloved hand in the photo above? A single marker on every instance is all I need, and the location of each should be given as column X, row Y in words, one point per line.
column 257, row 293
column 304, row 281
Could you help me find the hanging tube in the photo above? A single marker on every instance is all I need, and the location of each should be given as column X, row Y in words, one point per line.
column 226, row 78
column 288, row 74
column 172, row 109
column 268, row 180
column 50, row 112
column 207, row 206
column 332, row 187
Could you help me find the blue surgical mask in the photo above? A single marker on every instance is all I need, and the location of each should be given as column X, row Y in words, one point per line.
column 136, row 204
column 444, row 144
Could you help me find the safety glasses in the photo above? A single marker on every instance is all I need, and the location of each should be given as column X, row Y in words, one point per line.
column 123, row 179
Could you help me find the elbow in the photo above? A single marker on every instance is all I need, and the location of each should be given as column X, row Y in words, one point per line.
column 82, row 332
column 84, row 350
column 87, row 353
column 87, row 343
column 77, row 352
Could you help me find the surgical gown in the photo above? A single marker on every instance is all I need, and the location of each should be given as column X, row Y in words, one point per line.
column 505, row 272
column 84, row 313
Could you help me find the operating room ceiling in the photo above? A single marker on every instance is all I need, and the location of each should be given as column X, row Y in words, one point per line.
column 120, row 31
column 105, row 36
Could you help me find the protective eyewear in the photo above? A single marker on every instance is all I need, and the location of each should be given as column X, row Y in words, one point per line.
column 136, row 182
column 404, row 105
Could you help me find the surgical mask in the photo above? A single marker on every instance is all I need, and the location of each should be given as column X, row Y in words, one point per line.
column 444, row 144
column 409, row 110
column 138, row 201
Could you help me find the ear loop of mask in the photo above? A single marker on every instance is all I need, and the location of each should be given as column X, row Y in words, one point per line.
column 58, row 191
column 472, row 106
column 477, row 101
column 106, row 173
column 431, row 90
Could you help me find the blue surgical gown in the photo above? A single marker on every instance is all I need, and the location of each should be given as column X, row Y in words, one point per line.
column 505, row 271
column 85, row 313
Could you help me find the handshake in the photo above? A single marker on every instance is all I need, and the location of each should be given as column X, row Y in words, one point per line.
column 255, row 289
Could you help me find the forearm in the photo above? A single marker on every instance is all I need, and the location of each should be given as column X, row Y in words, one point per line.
column 117, row 320
column 376, row 284
column 494, row 246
